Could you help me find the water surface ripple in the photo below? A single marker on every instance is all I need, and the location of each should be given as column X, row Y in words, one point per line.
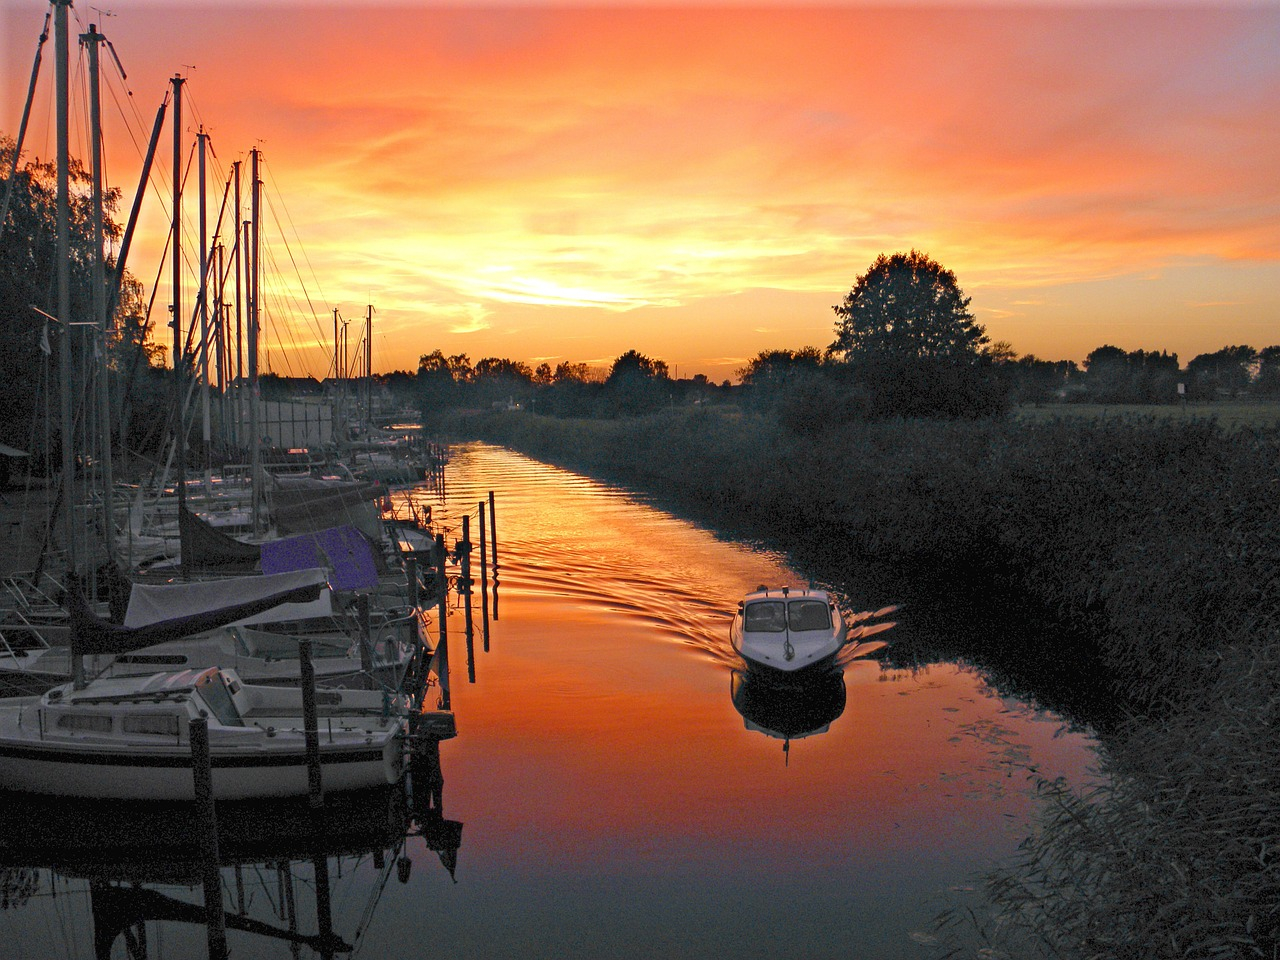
column 633, row 791
column 620, row 787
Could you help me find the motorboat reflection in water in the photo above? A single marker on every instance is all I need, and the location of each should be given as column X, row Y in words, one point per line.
column 789, row 711
column 788, row 630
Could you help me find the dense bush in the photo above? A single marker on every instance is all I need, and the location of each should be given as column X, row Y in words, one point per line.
column 1173, row 854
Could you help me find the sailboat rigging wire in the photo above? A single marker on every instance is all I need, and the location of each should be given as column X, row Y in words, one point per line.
column 22, row 126
column 147, row 322
column 283, row 329
column 371, row 905
column 310, row 306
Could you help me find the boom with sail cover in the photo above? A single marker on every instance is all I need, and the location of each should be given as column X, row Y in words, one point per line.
column 197, row 611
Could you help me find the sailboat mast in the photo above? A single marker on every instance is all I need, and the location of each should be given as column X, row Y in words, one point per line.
column 238, row 376
column 180, row 438
column 220, row 338
column 99, row 294
column 337, row 383
column 368, row 364
column 63, row 233
column 206, row 433
column 254, row 327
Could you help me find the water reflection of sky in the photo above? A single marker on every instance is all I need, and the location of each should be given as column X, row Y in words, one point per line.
column 617, row 803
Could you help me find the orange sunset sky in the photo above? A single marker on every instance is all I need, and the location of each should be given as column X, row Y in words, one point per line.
column 548, row 181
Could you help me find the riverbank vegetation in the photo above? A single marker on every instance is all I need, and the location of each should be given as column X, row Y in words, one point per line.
column 1150, row 540
column 30, row 380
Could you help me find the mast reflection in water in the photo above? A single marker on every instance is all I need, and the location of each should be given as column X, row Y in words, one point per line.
column 113, row 875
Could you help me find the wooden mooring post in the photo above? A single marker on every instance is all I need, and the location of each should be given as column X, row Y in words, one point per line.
column 464, row 591
column 484, row 583
column 207, row 828
column 493, row 543
column 442, row 624
column 311, row 726
column 411, row 579
column 366, row 641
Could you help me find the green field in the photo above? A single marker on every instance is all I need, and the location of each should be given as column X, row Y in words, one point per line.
column 1230, row 414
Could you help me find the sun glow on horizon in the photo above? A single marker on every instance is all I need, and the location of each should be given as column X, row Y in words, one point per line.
column 700, row 183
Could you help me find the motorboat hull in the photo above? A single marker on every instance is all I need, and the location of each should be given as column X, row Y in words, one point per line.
column 788, row 632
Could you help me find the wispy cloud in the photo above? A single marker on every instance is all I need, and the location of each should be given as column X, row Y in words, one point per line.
column 539, row 173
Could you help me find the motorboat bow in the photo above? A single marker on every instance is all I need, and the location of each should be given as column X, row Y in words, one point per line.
column 788, row 629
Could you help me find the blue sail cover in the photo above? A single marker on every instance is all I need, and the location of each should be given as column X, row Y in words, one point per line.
column 344, row 550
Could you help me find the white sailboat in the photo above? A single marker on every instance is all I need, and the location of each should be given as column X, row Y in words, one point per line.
column 128, row 738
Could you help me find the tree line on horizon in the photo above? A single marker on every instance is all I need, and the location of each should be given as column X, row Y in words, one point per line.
column 636, row 384
column 905, row 344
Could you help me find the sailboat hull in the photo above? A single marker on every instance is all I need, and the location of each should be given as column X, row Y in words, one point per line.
column 166, row 774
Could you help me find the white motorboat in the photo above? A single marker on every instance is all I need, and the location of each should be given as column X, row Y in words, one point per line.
column 788, row 629
column 128, row 738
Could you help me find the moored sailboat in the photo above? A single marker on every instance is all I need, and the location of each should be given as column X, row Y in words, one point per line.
column 128, row 738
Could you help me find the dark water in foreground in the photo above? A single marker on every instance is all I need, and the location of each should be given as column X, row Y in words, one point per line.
column 606, row 794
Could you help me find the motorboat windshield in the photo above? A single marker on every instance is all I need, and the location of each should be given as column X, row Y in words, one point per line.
column 765, row 616
column 808, row 615
column 777, row 616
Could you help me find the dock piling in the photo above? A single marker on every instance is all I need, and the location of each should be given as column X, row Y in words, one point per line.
column 207, row 827
column 311, row 729
column 442, row 622
column 484, row 583
column 493, row 542
column 464, row 591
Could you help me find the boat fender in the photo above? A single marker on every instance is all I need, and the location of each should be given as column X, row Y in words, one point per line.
column 271, row 731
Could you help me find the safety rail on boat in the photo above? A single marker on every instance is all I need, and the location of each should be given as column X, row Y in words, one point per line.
column 175, row 694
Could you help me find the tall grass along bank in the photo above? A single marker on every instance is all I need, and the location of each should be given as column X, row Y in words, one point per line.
column 1159, row 537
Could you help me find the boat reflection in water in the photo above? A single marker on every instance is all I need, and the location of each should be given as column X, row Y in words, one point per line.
column 789, row 710
column 792, row 706
column 139, row 866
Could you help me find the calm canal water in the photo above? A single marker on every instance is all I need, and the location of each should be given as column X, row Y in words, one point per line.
column 606, row 795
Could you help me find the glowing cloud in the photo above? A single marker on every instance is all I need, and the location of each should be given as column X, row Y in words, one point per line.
column 703, row 181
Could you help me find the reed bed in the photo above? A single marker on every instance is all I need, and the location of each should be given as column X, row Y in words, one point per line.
column 1154, row 537
column 1176, row 854
column 1154, row 541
